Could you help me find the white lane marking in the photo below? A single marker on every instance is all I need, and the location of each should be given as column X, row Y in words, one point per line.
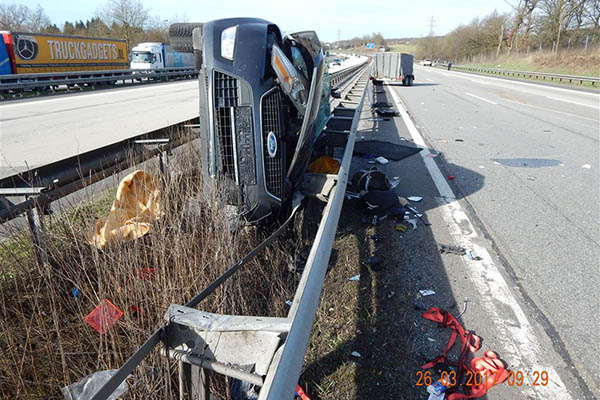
column 480, row 98
column 573, row 102
column 521, row 344
column 551, row 110
column 113, row 92
column 468, row 76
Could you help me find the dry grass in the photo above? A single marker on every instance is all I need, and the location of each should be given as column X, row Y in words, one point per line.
column 44, row 341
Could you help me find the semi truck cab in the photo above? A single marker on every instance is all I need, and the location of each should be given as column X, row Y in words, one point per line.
column 148, row 56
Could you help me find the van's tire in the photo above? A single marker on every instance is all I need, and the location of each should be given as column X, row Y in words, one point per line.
column 180, row 36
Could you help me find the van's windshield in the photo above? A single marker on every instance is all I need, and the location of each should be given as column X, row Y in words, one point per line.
column 141, row 57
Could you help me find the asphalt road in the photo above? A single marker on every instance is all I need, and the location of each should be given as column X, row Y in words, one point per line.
column 38, row 131
column 525, row 160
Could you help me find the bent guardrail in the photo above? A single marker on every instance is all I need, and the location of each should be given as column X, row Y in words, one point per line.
column 19, row 83
column 544, row 76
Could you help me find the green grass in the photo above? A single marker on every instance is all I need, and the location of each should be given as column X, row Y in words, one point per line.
column 403, row 48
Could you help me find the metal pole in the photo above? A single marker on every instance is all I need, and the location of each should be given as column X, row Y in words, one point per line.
column 36, row 225
column 587, row 38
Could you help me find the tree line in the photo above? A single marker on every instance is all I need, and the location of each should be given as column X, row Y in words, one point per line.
column 119, row 19
column 531, row 25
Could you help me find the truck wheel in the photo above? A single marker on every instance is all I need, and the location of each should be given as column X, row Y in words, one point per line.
column 180, row 36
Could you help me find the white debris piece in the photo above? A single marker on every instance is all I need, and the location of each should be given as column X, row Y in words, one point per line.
column 382, row 160
column 426, row 292
column 355, row 278
column 416, row 199
column 586, row 166
column 355, row 354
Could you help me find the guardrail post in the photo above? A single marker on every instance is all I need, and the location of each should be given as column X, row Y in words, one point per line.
column 36, row 225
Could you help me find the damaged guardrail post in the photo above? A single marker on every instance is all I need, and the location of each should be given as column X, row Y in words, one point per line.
column 36, row 226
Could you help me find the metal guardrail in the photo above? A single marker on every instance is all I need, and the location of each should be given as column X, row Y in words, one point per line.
column 18, row 83
column 545, row 76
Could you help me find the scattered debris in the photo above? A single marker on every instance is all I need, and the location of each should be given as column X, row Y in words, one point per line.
column 431, row 339
column 432, row 155
column 75, row 292
column 482, row 167
column 382, row 160
column 586, row 166
column 136, row 207
column 464, row 309
column 355, row 354
column 324, row 165
column 104, row 316
column 382, row 104
column 413, row 222
column 300, row 393
column 459, row 140
column 88, row 386
column 497, row 163
column 391, row 294
column 426, row 292
column 288, row 303
column 446, row 248
column 451, row 177
column 386, row 112
column 355, row 278
column 401, row 227
column 394, row 182
column 415, row 199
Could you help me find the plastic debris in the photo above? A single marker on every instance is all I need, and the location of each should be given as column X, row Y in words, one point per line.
column 459, row 140
column 288, row 303
column 382, row 160
column 135, row 309
column 432, row 155
column 75, row 292
column 451, row 177
column 391, row 294
column 355, row 354
column 88, row 386
column 401, row 227
column 431, row 339
column 324, row 165
column 426, row 292
column 445, row 248
column 136, row 206
column 413, row 222
column 300, row 393
column 145, row 273
column 586, row 166
column 416, row 199
column 104, row 316
column 355, row 278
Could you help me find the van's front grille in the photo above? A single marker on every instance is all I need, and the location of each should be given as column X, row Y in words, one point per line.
column 271, row 122
column 225, row 90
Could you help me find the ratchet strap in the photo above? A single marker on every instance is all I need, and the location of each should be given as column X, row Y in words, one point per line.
column 490, row 367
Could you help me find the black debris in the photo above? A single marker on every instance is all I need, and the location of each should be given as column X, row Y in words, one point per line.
column 446, row 248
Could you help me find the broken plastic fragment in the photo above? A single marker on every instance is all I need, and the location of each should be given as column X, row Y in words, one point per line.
column 416, row 199
column 288, row 303
column 88, row 386
column 355, row 278
column 586, row 166
column 431, row 339
column 104, row 316
column 382, row 160
column 451, row 177
column 355, row 354
column 426, row 292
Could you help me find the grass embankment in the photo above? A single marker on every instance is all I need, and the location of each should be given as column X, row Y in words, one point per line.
column 567, row 63
column 396, row 48
column 46, row 344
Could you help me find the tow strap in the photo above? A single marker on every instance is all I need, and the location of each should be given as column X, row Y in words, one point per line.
column 491, row 369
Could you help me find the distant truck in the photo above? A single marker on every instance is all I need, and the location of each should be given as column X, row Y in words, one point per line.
column 395, row 66
column 154, row 55
column 29, row 53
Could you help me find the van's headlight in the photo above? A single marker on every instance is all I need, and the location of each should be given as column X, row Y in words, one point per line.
column 228, row 42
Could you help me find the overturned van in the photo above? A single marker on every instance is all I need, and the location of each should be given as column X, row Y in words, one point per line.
column 264, row 97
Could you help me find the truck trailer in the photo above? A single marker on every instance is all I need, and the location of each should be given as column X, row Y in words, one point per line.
column 28, row 53
column 155, row 55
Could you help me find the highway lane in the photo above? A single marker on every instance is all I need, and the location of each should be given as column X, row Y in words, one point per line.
column 525, row 157
column 38, row 131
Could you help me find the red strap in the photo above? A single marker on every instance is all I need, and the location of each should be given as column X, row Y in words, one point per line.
column 491, row 368
column 301, row 393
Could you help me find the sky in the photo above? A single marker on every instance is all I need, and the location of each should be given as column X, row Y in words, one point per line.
column 393, row 19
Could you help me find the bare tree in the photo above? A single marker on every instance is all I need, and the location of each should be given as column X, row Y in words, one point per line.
column 13, row 16
column 523, row 11
column 127, row 16
column 38, row 20
column 592, row 13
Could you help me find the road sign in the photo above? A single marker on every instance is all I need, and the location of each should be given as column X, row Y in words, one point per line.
column 370, row 45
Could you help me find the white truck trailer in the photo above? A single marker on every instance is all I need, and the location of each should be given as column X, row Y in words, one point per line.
column 155, row 55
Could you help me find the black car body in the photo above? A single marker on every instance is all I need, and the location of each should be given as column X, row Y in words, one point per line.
column 256, row 136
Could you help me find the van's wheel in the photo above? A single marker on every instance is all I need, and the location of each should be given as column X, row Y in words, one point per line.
column 180, row 36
